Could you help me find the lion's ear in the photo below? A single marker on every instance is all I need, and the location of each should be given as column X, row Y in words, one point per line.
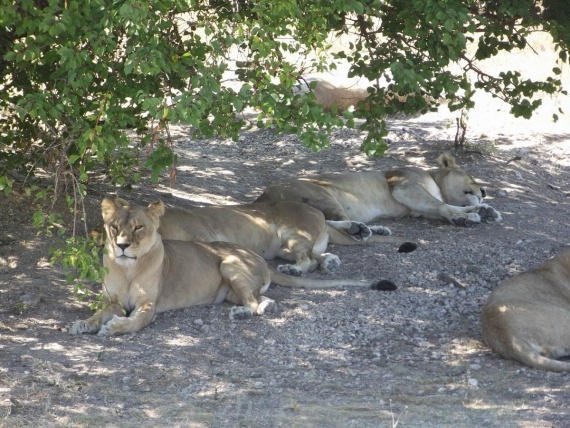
column 108, row 208
column 156, row 209
column 119, row 202
column 446, row 160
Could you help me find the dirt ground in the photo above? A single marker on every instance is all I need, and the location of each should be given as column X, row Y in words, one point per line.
column 338, row 358
column 410, row 358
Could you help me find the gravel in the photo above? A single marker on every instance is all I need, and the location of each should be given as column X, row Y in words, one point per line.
column 337, row 358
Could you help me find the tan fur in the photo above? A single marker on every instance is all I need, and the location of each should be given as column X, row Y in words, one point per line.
column 330, row 95
column 147, row 275
column 447, row 192
column 527, row 317
column 289, row 230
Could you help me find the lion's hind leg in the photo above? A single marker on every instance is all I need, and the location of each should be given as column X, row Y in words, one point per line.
column 304, row 252
column 265, row 305
column 530, row 328
column 488, row 214
column 470, row 215
column 327, row 262
column 540, row 356
column 248, row 278
column 355, row 229
column 303, row 265
column 420, row 202
column 380, row 230
column 461, row 216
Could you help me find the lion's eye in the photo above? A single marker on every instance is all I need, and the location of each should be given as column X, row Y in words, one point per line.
column 114, row 229
column 469, row 192
column 138, row 227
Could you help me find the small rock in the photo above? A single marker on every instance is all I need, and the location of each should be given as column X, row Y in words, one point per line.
column 473, row 383
column 30, row 300
column 43, row 263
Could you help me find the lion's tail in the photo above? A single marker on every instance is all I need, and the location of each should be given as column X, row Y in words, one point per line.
column 544, row 363
column 299, row 282
column 523, row 350
column 340, row 238
column 529, row 354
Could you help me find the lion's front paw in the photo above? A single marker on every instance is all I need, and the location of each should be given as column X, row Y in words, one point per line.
column 240, row 313
column 289, row 270
column 380, row 230
column 359, row 231
column 329, row 263
column 111, row 327
column 488, row 214
column 82, row 326
column 466, row 219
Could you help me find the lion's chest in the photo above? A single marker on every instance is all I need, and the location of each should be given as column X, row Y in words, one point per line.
column 121, row 284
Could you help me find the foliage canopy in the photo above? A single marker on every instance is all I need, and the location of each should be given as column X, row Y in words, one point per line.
column 77, row 76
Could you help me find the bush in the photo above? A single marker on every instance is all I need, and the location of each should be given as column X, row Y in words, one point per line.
column 76, row 76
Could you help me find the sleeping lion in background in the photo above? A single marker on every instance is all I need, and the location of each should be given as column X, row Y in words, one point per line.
column 444, row 193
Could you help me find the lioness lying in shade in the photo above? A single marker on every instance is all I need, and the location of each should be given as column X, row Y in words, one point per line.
column 288, row 230
column 446, row 192
column 147, row 275
column 527, row 317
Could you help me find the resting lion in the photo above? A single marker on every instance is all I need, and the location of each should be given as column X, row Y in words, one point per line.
column 527, row 317
column 447, row 192
column 328, row 95
column 288, row 230
column 341, row 97
column 147, row 275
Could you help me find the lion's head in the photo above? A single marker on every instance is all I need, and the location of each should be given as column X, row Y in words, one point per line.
column 131, row 230
column 457, row 187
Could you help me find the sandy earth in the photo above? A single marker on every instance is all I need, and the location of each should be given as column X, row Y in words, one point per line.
column 410, row 358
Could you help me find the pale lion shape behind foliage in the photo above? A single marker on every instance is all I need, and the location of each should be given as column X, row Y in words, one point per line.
column 288, row 230
column 527, row 317
column 329, row 95
column 446, row 192
column 147, row 275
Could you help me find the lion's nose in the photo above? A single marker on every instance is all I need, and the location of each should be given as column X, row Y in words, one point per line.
column 123, row 246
